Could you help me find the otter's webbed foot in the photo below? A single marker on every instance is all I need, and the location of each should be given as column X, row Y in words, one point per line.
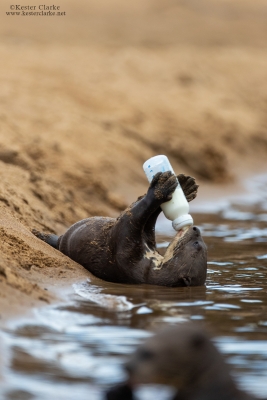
column 160, row 190
column 189, row 186
column 162, row 186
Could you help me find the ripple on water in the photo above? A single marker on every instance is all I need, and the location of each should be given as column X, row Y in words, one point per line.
column 78, row 349
column 94, row 294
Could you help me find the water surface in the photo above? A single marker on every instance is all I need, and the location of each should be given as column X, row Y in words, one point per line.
column 75, row 351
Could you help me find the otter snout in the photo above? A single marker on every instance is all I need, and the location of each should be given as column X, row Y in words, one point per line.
column 197, row 239
column 196, row 231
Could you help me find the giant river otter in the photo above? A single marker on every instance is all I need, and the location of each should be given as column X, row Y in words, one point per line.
column 123, row 250
column 185, row 358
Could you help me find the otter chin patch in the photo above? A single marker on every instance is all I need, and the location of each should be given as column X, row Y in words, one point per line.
column 154, row 256
column 170, row 249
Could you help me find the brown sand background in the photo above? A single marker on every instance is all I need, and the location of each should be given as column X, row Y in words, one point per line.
column 87, row 97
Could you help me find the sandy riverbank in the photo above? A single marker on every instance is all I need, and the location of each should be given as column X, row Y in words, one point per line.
column 85, row 100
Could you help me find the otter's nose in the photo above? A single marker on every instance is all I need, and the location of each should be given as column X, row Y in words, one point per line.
column 196, row 230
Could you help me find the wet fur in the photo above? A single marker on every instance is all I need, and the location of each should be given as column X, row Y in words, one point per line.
column 124, row 250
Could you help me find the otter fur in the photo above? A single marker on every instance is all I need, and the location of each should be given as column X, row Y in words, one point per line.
column 184, row 358
column 123, row 250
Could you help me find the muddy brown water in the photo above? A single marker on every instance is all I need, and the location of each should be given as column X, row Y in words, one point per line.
column 76, row 350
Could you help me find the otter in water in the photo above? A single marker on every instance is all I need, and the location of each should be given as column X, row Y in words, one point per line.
column 185, row 358
column 123, row 250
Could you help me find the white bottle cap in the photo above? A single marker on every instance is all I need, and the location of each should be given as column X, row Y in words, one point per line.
column 182, row 221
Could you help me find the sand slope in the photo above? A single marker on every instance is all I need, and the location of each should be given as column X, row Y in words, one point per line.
column 87, row 98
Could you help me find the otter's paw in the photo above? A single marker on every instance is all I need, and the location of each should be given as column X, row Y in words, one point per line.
column 163, row 185
column 189, row 186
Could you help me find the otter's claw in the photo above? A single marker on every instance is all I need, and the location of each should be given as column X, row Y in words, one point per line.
column 163, row 185
column 160, row 177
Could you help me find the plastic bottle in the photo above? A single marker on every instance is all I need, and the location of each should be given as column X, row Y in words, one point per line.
column 177, row 208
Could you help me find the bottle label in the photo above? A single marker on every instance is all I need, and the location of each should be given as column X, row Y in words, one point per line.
column 157, row 164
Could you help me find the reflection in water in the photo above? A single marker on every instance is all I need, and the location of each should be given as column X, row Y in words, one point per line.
column 78, row 349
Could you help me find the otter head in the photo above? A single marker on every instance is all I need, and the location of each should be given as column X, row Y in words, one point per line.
column 180, row 356
column 185, row 260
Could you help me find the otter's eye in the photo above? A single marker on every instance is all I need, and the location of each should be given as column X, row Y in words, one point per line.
column 145, row 354
column 197, row 245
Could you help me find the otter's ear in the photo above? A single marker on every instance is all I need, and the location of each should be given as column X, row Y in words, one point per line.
column 189, row 186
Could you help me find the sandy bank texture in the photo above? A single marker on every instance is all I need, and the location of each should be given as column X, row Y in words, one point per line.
column 87, row 97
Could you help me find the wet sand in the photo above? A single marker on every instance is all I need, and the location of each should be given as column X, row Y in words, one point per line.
column 86, row 99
